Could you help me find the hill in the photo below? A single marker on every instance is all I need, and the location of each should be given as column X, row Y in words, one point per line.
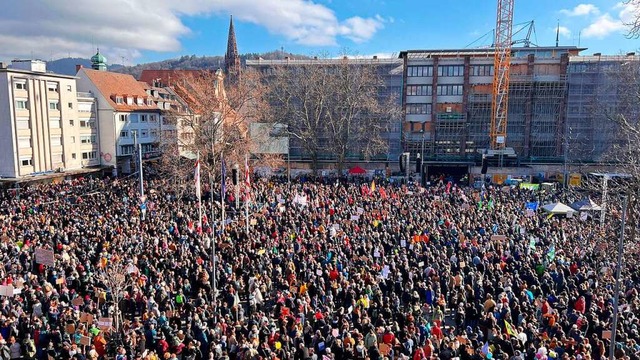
column 67, row 66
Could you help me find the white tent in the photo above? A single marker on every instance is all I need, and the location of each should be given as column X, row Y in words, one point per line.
column 586, row 205
column 558, row 208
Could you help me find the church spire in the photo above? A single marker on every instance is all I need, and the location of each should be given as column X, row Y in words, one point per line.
column 232, row 57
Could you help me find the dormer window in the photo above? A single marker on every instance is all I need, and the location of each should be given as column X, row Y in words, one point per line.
column 129, row 100
column 119, row 100
column 140, row 101
column 150, row 102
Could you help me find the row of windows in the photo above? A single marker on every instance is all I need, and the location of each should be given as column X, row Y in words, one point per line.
column 51, row 86
column 449, row 70
column 24, row 142
column 419, row 90
column 144, row 133
column 134, row 118
column 139, row 101
column 417, row 71
column 418, row 109
column 449, row 90
column 58, row 158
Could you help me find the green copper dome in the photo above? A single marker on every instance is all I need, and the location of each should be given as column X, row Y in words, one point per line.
column 98, row 61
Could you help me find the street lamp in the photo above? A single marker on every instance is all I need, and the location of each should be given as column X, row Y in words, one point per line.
column 422, row 159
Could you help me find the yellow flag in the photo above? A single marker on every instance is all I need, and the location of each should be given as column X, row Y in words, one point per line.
column 373, row 186
column 510, row 330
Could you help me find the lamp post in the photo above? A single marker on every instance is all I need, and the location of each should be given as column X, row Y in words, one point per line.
column 422, row 159
column 616, row 296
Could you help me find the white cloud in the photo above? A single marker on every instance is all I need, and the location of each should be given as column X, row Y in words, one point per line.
column 581, row 10
column 602, row 27
column 42, row 28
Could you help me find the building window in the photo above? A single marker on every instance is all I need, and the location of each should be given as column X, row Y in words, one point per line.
column 20, row 85
column 129, row 100
column 119, row 100
column 153, row 118
column 70, row 105
column 451, row 70
column 53, row 105
column 124, row 134
column 154, row 133
column 89, row 155
column 52, row 86
column 69, row 88
column 419, row 90
column 22, row 123
column 54, row 123
column 418, row 71
column 143, row 118
column 449, row 90
column 72, row 139
column 418, row 109
column 139, row 101
column 56, row 158
column 73, row 156
column 123, row 117
column 126, row 149
column 24, row 142
column 144, row 133
column 88, row 139
column 21, row 104
column 26, row 161
column 482, row 70
column 150, row 102
column 71, row 122
column 56, row 141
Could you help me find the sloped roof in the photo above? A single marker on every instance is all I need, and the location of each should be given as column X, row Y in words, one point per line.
column 112, row 84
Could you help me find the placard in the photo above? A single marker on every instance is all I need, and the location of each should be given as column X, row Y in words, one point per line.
column 253, row 222
column 85, row 340
column 421, row 263
column 45, row 257
column 360, row 211
column 86, row 318
column 6, row 290
column 105, row 323
column 355, row 217
column 498, row 238
column 70, row 328
column 606, row 334
column 403, row 243
column 78, row 301
column 60, row 281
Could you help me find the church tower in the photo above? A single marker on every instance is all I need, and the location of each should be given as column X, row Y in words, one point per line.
column 232, row 57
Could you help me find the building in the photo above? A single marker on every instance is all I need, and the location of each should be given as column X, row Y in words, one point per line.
column 41, row 130
column 232, row 66
column 599, row 86
column 447, row 98
column 390, row 70
column 126, row 116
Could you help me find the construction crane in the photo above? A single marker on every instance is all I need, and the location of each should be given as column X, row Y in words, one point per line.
column 501, row 66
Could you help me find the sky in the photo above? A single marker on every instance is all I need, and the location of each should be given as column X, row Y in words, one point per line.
column 138, row 31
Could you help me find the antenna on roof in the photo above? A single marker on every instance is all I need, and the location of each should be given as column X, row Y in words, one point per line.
column 558, row 33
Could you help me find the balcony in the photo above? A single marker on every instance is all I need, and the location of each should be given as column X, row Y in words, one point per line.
column 82, row 94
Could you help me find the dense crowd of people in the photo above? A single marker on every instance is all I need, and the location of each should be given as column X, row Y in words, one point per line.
column 329, row 269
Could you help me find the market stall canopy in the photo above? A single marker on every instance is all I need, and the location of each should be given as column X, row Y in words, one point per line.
column 586, row 205
column 357, row 171
column 558, row 208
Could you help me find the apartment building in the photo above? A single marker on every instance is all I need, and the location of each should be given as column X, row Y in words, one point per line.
column 126, row 116
column 40, row 122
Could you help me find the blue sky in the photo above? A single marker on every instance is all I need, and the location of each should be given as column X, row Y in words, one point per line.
column 136, row 31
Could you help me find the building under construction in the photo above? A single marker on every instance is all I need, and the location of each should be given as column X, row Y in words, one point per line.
column 447, row 102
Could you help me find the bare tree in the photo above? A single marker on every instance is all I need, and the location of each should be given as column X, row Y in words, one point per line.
column 332, row 107
column 633, row 23
column 114, row 278
column 222, row 115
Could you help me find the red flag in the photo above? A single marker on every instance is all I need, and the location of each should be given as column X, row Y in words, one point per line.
column 383, row 193
column 448, row 189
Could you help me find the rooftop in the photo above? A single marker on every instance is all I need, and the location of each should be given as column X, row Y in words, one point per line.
column 112, row 84
column 422, row 54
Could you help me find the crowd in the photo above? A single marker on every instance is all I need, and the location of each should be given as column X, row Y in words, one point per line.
column 330, row 269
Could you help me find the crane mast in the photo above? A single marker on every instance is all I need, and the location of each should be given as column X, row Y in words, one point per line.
column 501, row 66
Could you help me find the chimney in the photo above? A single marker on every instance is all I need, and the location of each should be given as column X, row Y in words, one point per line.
column 315, row 58
column 631, row 54
column 3, row 65
column 597, row 54
column 375, row 57
column 78, row 67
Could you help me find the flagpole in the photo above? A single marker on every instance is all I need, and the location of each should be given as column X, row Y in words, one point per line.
column 213, row 235
column 222, row 195
column 247, row 192
column 198, row 192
